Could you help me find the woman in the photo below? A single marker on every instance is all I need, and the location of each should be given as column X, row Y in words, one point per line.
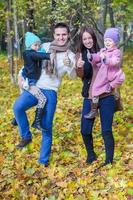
column 88, row 43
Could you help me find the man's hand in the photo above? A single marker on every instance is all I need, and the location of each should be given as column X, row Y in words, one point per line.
column 66, row 60
column 80, row 62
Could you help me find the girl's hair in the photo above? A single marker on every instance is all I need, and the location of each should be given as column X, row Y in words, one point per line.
column 80, row 47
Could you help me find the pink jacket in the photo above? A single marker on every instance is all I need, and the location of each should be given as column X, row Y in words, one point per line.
column 108, row 72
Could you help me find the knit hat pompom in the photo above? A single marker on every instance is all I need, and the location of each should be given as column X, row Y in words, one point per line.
column 31, row 38
column 112, row 33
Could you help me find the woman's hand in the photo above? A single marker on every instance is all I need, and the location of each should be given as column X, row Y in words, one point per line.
column 80, row 62
column 89, row 56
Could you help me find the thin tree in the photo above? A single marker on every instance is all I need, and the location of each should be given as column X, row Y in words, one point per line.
column 10, row 40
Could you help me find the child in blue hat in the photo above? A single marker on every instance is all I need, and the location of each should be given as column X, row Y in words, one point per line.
column 32, row 71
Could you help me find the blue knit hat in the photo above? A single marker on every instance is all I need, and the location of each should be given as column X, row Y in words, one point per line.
column 112, row 33
column 31, row 38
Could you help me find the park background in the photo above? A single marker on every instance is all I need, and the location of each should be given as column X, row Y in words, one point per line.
column 68, row 177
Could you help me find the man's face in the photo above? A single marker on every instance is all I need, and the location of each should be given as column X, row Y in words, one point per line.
column 61, row 36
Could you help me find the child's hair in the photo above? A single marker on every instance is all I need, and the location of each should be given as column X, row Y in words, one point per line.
column 112, row 33
column 31, row 38
column 80, row 45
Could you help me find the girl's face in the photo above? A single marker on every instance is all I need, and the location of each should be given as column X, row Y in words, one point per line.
column 87, row 40
column 109, row 43
column 36, row 46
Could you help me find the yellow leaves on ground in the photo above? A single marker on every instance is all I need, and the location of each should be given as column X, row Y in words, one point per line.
column 130, row 184
column 68, row 177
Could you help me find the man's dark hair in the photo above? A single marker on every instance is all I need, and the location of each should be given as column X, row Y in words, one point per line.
column 62, row 25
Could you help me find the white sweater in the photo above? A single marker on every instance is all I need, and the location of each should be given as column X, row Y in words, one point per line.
column 52, row 82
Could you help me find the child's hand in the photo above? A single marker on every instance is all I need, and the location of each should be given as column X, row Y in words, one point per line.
column 102, row 56
column 42, row 50
column 20, row 81
column 80, row 62
column 66, row 60
column 52, row 59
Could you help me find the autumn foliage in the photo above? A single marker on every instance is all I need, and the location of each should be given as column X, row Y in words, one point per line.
column 68, row 177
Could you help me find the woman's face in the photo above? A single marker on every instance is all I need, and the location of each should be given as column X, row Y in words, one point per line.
column 87, row 40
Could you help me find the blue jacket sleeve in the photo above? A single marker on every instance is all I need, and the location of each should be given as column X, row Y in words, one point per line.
column 40, row 56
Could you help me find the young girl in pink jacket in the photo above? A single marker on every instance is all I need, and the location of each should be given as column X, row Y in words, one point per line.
column 107, row 69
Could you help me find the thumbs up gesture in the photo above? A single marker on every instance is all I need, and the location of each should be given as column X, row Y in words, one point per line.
column 89, row 55
column 80, row 62
column 66, row 60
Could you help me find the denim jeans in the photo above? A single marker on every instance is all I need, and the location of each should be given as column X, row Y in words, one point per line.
column 25, row 102
column 106, row 109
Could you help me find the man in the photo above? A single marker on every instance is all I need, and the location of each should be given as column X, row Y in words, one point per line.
column 49, row 83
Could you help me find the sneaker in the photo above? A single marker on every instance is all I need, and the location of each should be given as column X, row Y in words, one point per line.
column 14, row 122
column 23, row 143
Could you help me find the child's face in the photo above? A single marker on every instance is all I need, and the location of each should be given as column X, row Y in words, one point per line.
column 36, row 46
column 109, row 43
column 87, row 40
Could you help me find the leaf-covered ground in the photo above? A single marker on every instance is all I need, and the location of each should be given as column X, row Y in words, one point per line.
column 68, row 177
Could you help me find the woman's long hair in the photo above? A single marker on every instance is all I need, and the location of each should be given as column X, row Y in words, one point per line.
column 80, row 47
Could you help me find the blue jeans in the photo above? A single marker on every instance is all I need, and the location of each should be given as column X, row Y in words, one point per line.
column 106, row 109
column 25, row 102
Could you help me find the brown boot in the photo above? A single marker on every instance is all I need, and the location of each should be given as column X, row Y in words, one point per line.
column 93, row 113
column 14, row 122
column 38, row 119
column 23, row 143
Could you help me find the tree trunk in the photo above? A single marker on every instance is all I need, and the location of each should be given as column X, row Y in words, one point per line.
column 123, row 30
column 17, row 44
column 101, row 22
column 105, row 10
column 23, row 24
column 53, row 7
column 111, row 14
column 10, row 42
column 30, row 15
column 123, row 36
